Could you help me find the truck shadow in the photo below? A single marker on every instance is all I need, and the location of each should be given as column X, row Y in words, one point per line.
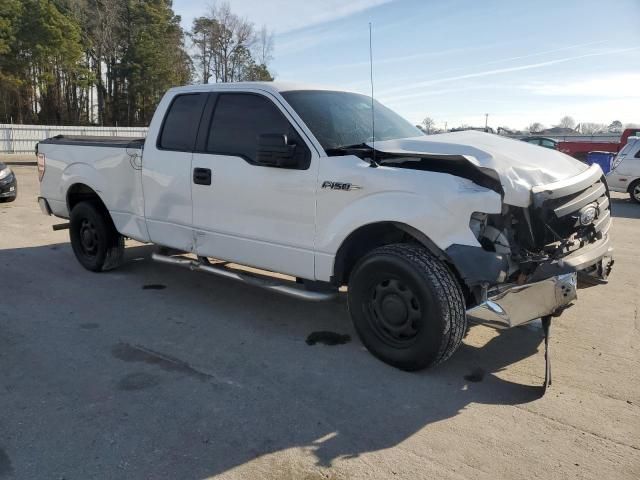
column 333, row 402
column 624, row 208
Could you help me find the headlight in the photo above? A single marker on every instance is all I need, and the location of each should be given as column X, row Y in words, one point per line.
column 5, row 172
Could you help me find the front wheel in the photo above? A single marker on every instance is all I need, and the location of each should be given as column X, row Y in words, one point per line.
column 95, row 241
column 407, row 306
column 634, row 191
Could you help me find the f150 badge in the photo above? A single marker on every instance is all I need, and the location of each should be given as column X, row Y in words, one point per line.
column 340, row 186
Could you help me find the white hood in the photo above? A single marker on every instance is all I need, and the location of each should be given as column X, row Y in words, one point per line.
column 519, row 165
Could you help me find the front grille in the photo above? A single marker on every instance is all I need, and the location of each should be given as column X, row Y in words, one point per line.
column 555, row 212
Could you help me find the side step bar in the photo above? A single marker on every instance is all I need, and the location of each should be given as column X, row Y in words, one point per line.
column 273, row 285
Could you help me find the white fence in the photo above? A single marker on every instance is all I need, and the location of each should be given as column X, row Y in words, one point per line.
column 23, row 138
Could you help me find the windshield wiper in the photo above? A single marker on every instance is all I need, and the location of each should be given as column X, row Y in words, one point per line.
column 355, row 148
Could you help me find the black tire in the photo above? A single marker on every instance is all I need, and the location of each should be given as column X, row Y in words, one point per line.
column 634, row 191
column 407, row 306
column 95, row 241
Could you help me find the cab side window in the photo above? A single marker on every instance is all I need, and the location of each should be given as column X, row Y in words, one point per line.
column 180, row 125
column 238, row 121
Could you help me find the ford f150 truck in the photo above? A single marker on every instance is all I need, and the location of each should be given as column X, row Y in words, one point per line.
column 427, row 232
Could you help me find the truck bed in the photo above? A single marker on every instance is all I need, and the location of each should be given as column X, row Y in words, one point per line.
column 110, row 166
column 95, row 141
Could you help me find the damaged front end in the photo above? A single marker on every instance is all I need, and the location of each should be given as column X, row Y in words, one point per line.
column 533, row 259
column 548, row 240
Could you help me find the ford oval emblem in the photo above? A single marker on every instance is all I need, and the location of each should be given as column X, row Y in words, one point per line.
column 588, row 214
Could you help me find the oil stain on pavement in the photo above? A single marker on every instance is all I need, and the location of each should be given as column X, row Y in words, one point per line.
column 154, row 286
column 476, row 375
column 138, row 353
column 327, row 338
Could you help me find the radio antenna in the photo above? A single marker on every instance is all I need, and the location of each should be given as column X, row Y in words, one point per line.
column 373, row 116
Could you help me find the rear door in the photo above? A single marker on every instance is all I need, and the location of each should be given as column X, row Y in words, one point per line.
column 248, row 213
column 166, row 172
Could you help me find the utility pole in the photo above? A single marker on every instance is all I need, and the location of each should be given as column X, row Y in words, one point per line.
column 486, row 122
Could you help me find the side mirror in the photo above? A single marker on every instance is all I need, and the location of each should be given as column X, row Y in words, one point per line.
column 275, row 151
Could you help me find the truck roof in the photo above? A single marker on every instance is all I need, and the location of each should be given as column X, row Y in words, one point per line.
column 268, row 86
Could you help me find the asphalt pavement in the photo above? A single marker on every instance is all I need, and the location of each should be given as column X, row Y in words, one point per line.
column 154, row 372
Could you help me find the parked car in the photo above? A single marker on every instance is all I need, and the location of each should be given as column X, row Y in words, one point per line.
column 8, row 184
column 542, row 141
column 426, row 231
column 625, row 170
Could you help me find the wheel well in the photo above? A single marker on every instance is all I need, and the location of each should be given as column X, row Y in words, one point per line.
column 371, row 236
column 79, row 192
column 632, row 185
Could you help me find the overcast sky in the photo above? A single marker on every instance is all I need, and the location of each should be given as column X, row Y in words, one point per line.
column 455, row 60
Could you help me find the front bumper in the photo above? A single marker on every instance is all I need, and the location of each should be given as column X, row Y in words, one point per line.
column 9, row 187
column 513, row 305
column 551, row 288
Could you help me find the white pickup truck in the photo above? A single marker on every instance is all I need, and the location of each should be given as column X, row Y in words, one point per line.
column 427, row 232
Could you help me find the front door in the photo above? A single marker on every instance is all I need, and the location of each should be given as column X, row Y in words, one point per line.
column 245, row 212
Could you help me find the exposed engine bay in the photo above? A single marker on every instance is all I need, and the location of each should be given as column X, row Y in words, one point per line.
column 547, row 232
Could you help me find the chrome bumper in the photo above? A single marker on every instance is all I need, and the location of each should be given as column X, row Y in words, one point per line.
column 518, row 304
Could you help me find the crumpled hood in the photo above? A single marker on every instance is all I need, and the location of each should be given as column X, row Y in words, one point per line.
column 518, row 164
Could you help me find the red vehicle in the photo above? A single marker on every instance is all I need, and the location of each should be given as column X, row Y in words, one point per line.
column 580, row 148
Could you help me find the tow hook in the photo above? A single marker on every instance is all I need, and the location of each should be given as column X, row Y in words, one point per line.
column 546, row 328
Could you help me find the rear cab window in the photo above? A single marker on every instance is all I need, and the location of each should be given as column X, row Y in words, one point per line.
column 180, row 124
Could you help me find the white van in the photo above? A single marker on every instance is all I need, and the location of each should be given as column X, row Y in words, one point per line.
column 625, row 170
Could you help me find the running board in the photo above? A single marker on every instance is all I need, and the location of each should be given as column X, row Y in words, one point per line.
column 268, row 284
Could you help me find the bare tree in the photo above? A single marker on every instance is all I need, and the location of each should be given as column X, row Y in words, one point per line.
column 232, row 44
column 589, row 128
column 202, row 33
column 428, row 123
column 535, row 127
column 228, row 47
column 105, row 29
column 567, row 122
column 264, row 46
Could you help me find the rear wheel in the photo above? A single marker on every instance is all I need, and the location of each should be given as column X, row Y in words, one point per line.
column 634, row 191
column 95, row 241
column 407, row 306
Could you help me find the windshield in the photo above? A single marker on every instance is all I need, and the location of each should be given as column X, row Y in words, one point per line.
column 340, row 119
